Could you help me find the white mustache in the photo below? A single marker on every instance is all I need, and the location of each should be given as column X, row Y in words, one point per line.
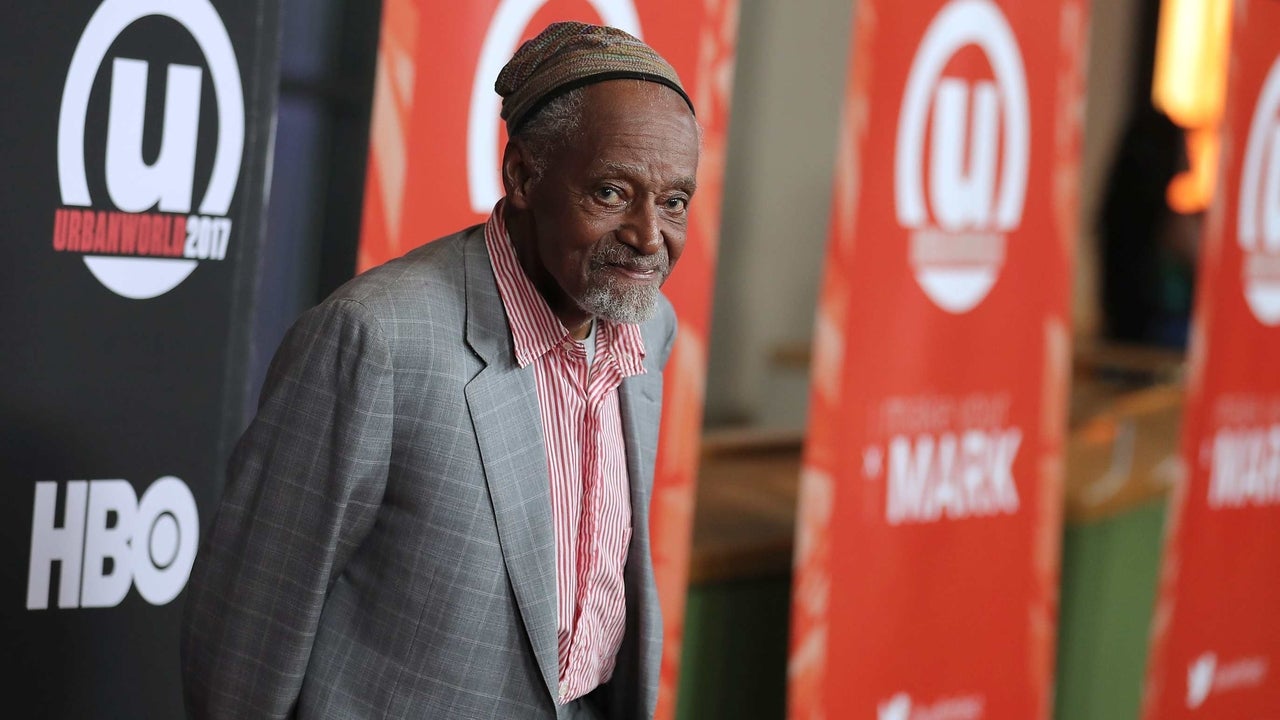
column 624, row 256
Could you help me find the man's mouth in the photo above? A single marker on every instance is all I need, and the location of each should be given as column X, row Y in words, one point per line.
column 627, row 265
column 635, row 272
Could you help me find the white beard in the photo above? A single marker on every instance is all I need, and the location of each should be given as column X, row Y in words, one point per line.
column 620, row 302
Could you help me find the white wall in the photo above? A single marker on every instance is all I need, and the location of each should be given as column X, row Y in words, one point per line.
column 787, row 94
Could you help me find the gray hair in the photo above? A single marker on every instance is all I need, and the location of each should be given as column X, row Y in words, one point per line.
column 554, row 126
column 550, row 129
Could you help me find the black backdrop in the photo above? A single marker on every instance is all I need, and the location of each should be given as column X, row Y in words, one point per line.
column 96, row 386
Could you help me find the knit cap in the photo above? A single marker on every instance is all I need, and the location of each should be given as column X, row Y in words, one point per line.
column 569, row 55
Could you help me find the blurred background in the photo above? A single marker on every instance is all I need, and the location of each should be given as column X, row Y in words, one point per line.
column 1155, row 80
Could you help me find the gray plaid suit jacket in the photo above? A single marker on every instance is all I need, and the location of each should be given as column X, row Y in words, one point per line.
column 384, row 547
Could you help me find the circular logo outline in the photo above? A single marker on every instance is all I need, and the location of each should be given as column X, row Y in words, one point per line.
column 170, row 496
column 509, row 22
column 1254, row 231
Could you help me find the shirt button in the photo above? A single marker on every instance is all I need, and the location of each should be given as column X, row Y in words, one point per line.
column 564, row 691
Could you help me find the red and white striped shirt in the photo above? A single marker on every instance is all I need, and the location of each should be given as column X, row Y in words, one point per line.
column 586, row 462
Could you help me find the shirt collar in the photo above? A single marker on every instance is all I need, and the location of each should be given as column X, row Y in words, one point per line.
column 535, row 329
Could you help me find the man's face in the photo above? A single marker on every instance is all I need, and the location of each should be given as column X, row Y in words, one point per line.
column 609, row 215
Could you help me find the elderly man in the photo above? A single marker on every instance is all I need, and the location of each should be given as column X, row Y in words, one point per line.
column 441, row 509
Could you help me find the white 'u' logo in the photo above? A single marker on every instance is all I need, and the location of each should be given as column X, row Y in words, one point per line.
column 1259, row 218
column 966, row 122
column 134, row 185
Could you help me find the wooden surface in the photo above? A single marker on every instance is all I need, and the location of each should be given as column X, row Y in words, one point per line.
column 1121, row 453
column 1124, row 454
column 745, row 517
column 1143, row 364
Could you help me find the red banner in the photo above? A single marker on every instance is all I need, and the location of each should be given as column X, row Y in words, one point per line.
column 436, row 147
column 930, row 507
column 1216, row 630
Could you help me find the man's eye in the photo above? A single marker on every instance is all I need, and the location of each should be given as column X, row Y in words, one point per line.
column 609, row 194
column 677, row 204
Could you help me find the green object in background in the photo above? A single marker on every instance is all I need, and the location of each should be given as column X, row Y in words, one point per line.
column 734, row 654
column 734, row 662
column 1109, row 573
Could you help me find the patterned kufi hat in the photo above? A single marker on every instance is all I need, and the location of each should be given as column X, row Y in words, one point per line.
column 570, row 55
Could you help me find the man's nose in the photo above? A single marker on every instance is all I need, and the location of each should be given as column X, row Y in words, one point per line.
column 644, row 228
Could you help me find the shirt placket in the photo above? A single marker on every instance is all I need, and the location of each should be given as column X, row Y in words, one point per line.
column 588, row 563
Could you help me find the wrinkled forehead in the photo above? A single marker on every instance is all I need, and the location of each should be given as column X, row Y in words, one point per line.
column 616, row 103
column 643, row 132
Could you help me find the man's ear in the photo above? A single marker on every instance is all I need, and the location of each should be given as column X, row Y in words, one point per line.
column 517, row 174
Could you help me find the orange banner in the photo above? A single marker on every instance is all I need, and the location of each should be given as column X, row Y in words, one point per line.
column 1216, row 631
column 930, row 506
column 435, row 149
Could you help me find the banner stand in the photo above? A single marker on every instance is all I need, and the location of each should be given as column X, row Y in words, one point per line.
column 930, row 510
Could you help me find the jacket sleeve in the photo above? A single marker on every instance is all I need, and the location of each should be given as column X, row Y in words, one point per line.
column 303, row 487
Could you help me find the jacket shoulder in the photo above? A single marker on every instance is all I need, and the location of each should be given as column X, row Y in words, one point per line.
column 659, row 332
column 428, row 282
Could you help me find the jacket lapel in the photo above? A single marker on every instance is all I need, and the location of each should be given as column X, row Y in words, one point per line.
column 503, row 402
column 639, row 401
column 635, row 676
